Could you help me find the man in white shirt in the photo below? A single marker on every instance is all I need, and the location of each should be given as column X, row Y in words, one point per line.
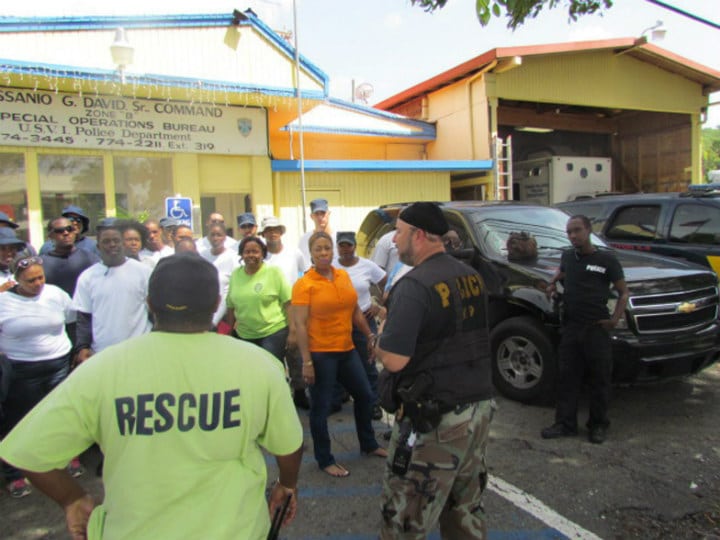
column 385, row 254
column 110, row 296
column 290, row 260
column 155, row 248
column 292, row 263
column 247, row 224
column 204, row 244
column 225, row 259
column 320, row 214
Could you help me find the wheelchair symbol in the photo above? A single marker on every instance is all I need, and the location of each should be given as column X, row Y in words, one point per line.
column 177, row 212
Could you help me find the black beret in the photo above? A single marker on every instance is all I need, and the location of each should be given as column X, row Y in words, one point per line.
column 184, row 283
column 426, row 216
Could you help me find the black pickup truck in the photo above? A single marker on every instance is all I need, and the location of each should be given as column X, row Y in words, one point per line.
column 670, row 326
column 681, row 225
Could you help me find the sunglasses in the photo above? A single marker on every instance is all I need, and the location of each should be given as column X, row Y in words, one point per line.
column 247, row 226
column 28, row 262
column 60, row 230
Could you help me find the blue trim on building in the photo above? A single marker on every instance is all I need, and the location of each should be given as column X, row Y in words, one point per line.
column 425, row 135
column 109, row 76
column 326, row 165
column 110, row 22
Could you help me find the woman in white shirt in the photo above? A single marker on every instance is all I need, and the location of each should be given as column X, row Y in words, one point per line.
column 364, row 274
column 33, row 315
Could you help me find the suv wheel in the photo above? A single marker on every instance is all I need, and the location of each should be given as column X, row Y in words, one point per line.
column 523, row 360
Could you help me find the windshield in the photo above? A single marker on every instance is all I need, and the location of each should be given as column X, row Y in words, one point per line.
column 493, row 226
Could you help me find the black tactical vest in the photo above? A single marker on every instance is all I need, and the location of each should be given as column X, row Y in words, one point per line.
column 453, row 345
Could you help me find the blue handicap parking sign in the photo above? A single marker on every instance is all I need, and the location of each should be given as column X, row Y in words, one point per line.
column 179, row 208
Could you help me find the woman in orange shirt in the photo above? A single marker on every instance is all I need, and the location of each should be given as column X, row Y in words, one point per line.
column 325, row 308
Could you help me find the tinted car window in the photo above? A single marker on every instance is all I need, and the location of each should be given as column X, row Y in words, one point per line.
column 635, row 223
column 596, row 212
column 696, row 224
column 547, row 225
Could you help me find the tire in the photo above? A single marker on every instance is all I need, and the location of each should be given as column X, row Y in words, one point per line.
column 524, row 361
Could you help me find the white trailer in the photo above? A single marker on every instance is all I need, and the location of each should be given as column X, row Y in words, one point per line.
column 556, row 179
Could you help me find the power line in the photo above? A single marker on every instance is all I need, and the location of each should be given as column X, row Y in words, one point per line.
column 679, row 11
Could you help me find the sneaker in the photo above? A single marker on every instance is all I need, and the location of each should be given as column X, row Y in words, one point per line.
column 75, row 468
column 557, row 430
column 597, row 434
column 19, row 488
column 377, row 412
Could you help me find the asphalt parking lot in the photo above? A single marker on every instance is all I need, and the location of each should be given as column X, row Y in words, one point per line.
column 657, row 476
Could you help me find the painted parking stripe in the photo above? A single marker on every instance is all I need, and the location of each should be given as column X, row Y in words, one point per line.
column 538, row 509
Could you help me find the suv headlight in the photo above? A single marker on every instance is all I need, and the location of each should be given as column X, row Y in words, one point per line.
column 622, row 323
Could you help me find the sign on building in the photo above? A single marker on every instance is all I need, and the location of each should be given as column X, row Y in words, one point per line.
column 180, row 208
column 64, row 120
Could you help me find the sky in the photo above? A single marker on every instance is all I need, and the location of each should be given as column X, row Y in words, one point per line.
column 391, row 45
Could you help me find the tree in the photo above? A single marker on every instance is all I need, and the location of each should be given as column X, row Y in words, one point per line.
column 519, row 10
column 711, row 149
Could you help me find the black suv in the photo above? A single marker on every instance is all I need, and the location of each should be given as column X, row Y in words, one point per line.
column 682, row 225
column 670, row 326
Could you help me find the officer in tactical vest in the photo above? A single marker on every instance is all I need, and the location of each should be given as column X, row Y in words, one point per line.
column 434, row 346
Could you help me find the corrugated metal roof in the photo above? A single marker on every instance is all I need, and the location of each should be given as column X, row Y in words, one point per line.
column 638, row 48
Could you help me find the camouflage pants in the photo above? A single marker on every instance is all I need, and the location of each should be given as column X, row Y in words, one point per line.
column 444, row 483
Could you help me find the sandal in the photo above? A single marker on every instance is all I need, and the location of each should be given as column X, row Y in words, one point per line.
column 336, row 471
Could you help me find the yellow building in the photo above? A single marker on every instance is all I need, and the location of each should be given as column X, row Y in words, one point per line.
column 207, row 108
column 625, row 99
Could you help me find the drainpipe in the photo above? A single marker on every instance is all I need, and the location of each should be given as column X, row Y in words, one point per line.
column 468, row 87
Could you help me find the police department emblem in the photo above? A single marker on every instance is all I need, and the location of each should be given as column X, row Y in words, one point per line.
column 244, row 126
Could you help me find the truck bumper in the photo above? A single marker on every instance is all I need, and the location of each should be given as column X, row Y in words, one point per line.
column 652, row 358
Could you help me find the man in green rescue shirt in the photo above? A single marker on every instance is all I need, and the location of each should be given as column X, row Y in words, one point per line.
column 180, row 414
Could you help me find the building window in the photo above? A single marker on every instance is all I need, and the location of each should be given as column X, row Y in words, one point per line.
column 71, row 179
column 141, row 186
column 13, row 195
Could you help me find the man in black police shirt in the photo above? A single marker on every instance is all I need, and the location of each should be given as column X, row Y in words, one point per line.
column 586, row 274
column 435, row 344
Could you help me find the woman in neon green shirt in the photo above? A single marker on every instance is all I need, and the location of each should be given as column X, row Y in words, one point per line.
column 258, row 300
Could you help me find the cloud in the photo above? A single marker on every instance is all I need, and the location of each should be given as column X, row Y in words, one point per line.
column 392, row 20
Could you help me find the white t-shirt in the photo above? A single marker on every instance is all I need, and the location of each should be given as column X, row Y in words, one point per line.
column 203, row 244
column 305, row 249
column 290, row 261
column 155, row 256
column 363, row 274
column 225, row 263
column 385, row 254
column 115, row 297
column 33, row 328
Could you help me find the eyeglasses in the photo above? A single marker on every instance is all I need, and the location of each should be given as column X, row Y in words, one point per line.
column 217, row 221
column 28, row 262
column 60, row 230
column 74, row 219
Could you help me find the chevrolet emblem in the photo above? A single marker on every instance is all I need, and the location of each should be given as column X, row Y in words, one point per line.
column 686, row 307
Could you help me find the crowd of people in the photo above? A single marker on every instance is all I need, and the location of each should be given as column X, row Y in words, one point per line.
column 119, row 342
column 93, row 293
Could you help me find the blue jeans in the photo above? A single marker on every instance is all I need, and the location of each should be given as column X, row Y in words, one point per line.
column 275, row 343
column 345, row 367
column 360, row 343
